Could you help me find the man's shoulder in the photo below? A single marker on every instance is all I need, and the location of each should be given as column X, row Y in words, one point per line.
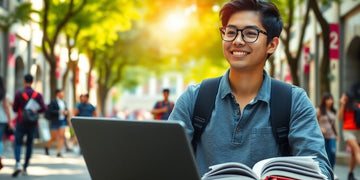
column 298, row 92
column 89, row 105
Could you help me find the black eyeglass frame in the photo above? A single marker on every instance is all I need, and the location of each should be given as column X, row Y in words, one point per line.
column 222, row 33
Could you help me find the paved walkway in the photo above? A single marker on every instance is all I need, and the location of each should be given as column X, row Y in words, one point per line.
column 71, row 166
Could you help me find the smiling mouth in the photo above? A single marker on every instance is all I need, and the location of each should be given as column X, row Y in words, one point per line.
column 239, row 53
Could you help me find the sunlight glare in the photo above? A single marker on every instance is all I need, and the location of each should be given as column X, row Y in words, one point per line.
column 175, row 22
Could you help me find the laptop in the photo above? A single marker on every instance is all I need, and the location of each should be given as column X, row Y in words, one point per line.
column 136, row 150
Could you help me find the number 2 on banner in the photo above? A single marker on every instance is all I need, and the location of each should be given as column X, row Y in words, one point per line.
column 334, row 40
column 334, row 45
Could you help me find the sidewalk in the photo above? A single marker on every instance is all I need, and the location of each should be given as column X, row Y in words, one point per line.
column 71, row 166
column 342, row 166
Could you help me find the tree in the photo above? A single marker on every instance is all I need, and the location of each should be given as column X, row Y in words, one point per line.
column 55, row 16
column 107, row 19
column 126, row 62
column 21, row 14
column 325, row 62
column 287, row 10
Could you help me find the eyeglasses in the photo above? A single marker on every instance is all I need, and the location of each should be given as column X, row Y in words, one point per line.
column 248, row 34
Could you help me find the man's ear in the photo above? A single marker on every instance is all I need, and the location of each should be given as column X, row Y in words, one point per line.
column 273, row 44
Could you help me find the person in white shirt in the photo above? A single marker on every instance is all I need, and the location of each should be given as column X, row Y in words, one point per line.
column 57, row 115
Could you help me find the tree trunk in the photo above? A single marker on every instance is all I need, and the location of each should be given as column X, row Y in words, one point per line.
column 74, row 65
column 53, row 79
column 272, row 66
column 102, row 92
column 325, row 63
column 293, row 61
column 294, row 65
column 65, row 76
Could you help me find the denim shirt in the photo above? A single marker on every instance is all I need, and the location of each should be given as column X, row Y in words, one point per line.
column 232, row 136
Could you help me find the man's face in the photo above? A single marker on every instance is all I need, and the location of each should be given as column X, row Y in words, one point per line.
column 166, row 95
column 82, row 99
column 247, row 56
column 60, row 94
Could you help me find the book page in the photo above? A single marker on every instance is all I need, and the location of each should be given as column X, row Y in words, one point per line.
column 228, row 170
column 259, row 166
column 303, row 166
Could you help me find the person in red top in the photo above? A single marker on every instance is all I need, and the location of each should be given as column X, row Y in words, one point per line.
column 23, row 128
column 350, row 131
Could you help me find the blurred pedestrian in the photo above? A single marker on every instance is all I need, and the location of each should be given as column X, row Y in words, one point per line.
column 5, row 119
column 351, row 131
column 25, row 128
column 326, row 115
column 85, row 108
column 57, row 114
column 162, row 109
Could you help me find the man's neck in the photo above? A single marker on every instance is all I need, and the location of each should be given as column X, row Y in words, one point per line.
column 245, row 83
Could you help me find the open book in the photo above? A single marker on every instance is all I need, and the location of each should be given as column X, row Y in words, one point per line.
column 280, row 168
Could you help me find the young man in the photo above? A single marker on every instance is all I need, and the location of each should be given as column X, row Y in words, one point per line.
column 57, row 115
column 84, row 108
column 23, row 128
column 162, row 109
column 239, row 129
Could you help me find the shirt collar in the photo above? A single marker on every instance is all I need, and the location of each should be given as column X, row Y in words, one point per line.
column 27, row 88
column 263, row 94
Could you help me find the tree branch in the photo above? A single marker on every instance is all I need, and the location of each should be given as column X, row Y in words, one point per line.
column 303, row 29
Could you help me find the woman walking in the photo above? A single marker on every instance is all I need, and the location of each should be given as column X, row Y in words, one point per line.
column 57, row 115
column 350, row 130
column 326, row 115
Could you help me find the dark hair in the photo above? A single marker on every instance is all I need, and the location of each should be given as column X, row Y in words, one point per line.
column 269, row 14
column 86, row 95
column 355, row 89
column 350, row 101
column 166, row 90
column 2, row 89
column 28, row 78
column 322, row 105
column 58, row 90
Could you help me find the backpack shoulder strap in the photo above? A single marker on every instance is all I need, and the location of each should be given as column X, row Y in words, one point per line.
column 280, row 109
column 159, row 104
column 34, row 94
column 25, row 96
column 203, row 107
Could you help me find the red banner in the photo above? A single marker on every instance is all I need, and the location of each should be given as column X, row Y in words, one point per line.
column 11, row 57
column 334, row 41
column 77, row 74
column 307, row 60
column 58, row 68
